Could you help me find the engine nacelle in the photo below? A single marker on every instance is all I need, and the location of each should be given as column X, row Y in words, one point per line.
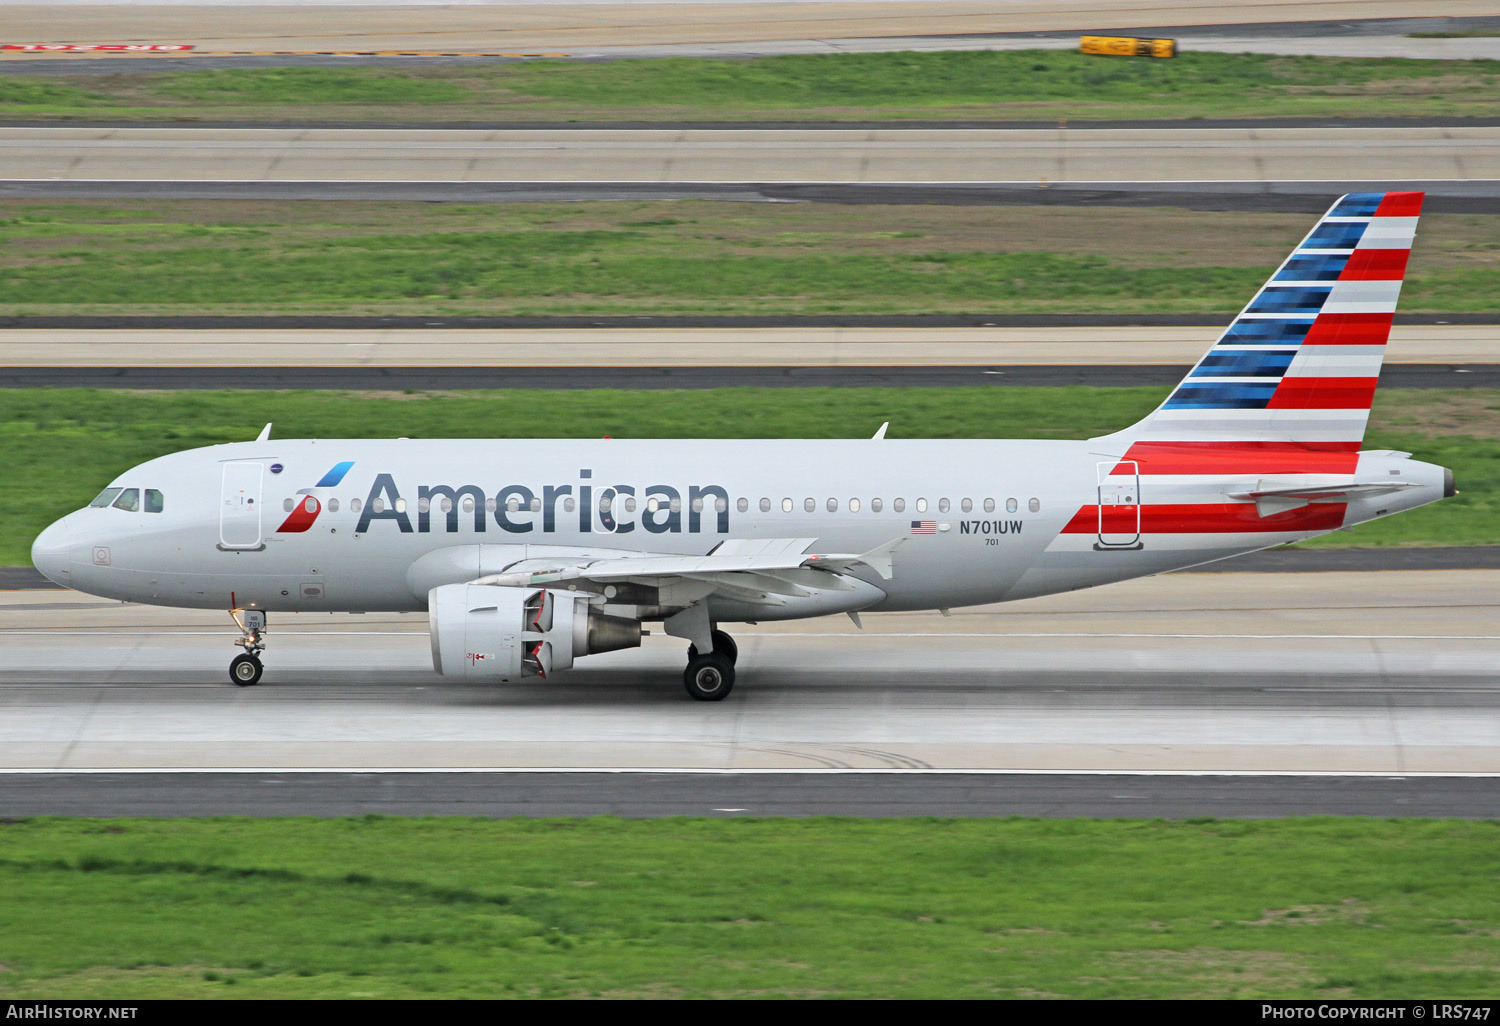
column 484, row 632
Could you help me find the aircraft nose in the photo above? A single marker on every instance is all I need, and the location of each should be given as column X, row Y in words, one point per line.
column 49, row 553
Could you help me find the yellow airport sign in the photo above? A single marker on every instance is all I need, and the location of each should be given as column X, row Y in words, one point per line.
column 1128, row 46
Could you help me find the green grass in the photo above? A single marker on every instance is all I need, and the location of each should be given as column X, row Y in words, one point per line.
column 103, row 433
column 1033, row 85
column 674, row 258
column 381, row 907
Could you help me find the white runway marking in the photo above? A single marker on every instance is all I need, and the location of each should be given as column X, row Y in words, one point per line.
column 791, row 771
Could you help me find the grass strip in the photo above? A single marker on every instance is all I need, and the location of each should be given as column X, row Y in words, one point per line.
column 674, row 257
column 103, row 433
column 1021, row 84
column 705, row 908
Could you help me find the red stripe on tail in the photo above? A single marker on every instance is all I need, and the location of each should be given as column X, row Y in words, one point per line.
column 1400, row 204
column 1358, row 329
column 1233, row 458
column 1323, row 394
column 1376, row 265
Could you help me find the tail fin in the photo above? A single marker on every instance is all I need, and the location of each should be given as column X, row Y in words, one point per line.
column 1299, row 365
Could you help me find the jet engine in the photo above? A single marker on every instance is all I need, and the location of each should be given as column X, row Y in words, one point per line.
column 486, row 632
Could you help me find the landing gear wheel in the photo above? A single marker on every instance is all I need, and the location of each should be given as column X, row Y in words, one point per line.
column 245, row 670
column 723, row 645
column 708, row 678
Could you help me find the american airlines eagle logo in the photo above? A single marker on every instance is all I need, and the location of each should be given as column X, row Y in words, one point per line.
column 308, row 505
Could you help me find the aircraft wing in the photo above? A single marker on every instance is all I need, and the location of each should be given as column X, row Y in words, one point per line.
column 759, row 562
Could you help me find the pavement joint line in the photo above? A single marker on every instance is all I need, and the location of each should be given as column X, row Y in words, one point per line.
column 126, row 632
column 757, row 771
column 559, row 182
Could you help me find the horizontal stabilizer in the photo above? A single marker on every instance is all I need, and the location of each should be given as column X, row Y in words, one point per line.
column 1271, row 501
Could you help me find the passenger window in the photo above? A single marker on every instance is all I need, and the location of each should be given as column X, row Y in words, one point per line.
column 833, row 505
column 424, row 505
column 489, row 504
column 309, row 504
column 1035, row 505
column 288, row 505
column 675, row 504
column 786, row 505
column 899, row 505
column 1010, row 505
column 765, row 505
column 943, row 506
column 742, row 505
column 445, row 504
column 652, row 505
column 853, row 505
column 989, row 505
column 809, row 504
column 568, row 504
column 378, row 505
column 512, row 504
column 354, row 505
column 333, row 505
column 606, row 501
column 967, row 505
column 698, row 504
column 153, row 501
column 129, row 500
column 401, row 504
column 105, row 498
column 536, row 505
column 875, row 505
column 629, row 504
column 468, row 503
column 721, row 505
column 921, row 505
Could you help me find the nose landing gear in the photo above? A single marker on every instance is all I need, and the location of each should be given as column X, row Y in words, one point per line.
column 246, row 669
column 709, row 678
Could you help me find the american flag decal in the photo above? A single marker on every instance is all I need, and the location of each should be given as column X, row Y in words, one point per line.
column 924, row 527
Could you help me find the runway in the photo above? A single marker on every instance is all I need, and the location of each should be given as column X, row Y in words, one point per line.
column 724, row 795
column 1384, row 673
column 1443, row 196
column 1420, row 356
column 885, row 155
column 552, row 26
column 374, row 34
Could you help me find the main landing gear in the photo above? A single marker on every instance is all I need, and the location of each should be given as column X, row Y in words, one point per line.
column 246, row 669
column 709, row 678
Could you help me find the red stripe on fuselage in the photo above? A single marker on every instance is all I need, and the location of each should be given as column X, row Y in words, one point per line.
column 1238, row 458
column 1400, row 204
column 1376, row 265
column 301, row 517
column 1361, row 329
column 1206, row 518
column 1313, row 393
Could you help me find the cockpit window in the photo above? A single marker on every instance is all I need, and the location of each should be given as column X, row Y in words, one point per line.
column 153, row 501
column 129, row 500
column 105, row 498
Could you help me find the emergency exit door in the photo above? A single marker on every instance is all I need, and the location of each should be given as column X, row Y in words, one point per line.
column 239, row 507
column 1119, row 505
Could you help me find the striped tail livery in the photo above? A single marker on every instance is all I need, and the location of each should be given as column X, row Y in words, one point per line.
column 1260, row 443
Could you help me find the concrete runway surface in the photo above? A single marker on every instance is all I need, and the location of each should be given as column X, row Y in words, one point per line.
column 1385, row 673
column 553, row 26
column 1081, row 347
column 718, row 795
column 889, row 155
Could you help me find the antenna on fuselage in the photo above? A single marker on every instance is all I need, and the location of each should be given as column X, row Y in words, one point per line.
column 876, row 435
column 265, row 433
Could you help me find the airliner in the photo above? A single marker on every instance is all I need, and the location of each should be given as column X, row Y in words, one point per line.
column 529, row 554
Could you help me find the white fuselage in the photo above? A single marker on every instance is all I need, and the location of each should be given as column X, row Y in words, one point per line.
column 978, row 521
